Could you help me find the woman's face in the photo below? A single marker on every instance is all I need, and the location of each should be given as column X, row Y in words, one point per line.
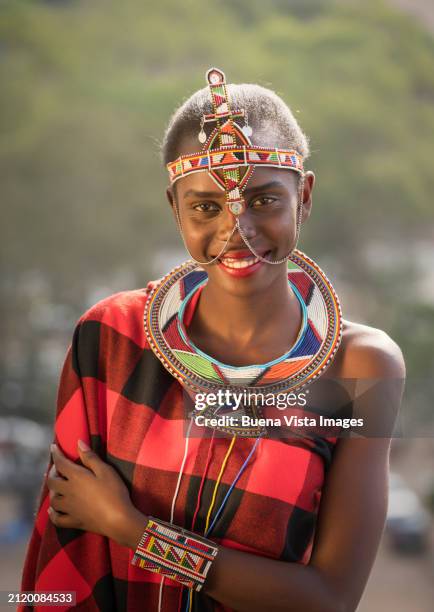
column 269, row 222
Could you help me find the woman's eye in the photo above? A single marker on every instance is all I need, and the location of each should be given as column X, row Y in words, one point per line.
column 206, row 207
column 263, row 201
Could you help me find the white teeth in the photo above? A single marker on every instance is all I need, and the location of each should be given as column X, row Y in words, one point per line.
column 240, row 263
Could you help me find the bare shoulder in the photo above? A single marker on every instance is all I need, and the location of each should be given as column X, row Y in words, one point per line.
column 368, row 352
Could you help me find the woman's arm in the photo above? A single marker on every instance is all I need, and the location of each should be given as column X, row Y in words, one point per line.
column 59, row 559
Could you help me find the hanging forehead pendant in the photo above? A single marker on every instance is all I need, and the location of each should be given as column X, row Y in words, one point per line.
column 226, row 135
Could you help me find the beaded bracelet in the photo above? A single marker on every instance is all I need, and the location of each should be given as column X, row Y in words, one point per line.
column 175, row 552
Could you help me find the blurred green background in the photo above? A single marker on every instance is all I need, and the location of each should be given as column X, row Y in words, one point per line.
column 86, row 90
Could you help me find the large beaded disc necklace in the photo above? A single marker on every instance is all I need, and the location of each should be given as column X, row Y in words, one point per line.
column 317, row 342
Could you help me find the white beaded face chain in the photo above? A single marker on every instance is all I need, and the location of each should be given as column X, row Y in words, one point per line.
column 237, row 226
column 297, row 230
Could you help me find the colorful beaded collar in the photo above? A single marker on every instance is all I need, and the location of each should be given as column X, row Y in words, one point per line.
column 317, row 342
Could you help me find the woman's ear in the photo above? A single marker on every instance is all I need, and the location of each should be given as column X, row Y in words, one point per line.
column 169, row 195
column 306, row 196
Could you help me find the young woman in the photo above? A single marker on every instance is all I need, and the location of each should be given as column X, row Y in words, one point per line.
column 178, row 506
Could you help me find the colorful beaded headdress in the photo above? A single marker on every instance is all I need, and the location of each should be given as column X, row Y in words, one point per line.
column 229, row 149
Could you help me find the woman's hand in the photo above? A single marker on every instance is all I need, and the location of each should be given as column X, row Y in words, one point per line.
column 93, row 498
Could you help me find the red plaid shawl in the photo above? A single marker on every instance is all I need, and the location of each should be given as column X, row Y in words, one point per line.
column 115, row 394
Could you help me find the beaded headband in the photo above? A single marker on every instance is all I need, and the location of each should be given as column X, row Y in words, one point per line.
column 222, row 150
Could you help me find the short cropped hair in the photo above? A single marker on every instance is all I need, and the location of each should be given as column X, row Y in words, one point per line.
column 267, row 114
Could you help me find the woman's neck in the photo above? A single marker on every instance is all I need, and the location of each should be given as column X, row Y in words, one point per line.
column 267, row 321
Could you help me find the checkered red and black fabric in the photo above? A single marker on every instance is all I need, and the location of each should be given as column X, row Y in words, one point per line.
column 115, row 394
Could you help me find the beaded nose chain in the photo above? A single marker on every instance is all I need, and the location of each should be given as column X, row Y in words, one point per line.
column 237, row 226
column 222, row 152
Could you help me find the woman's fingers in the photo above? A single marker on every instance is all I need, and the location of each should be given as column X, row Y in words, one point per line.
column 64, row 466
column 91, row 460
column 55, row 482
column 60, row 520
column 54, row 474
column 58, row 502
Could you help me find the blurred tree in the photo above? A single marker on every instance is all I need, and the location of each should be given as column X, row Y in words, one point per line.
column 88, row 87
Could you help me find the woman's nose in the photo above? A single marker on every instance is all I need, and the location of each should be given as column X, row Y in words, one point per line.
column 230, row 221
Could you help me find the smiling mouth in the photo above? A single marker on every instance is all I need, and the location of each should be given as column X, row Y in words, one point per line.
column 239, row 260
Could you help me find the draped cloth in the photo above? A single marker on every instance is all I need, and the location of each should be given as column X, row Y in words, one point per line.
column 115, row 395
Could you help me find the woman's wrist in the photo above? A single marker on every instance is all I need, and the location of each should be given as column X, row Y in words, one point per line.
column 127, row 528
column 162, row 547
column 179, row 554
